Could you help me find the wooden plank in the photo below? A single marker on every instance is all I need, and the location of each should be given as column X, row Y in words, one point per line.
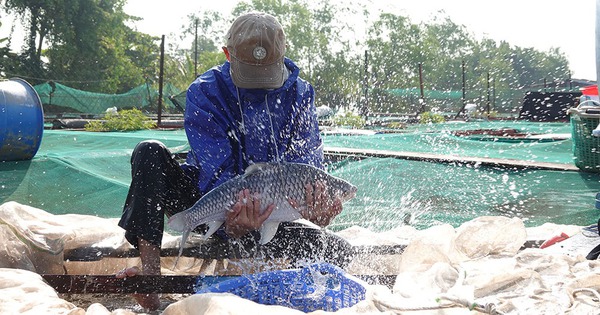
column 90, row 254
column 89, row 284
column 211, row 251
column 84, row 284
column 446, row 158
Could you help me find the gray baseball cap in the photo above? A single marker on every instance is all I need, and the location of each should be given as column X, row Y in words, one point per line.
column 256, row 45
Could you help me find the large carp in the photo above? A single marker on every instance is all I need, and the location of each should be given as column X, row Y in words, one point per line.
column 275, row 183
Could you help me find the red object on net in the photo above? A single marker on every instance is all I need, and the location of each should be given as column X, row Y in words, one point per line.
column 590, row 90
column 554, row 240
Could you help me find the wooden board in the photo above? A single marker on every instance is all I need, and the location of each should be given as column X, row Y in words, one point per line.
column 90, row 254
column 87, row 284
column 421, row 156
column 209, row 251
column 83, row 284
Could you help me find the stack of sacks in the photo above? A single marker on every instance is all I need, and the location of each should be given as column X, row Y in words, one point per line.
column 24, row 292
column 35, row 240
column 479, row 262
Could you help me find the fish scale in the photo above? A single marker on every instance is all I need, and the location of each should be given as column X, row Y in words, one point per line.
column 275, row 183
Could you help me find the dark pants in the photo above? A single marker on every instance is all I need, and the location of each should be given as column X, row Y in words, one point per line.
column 159, row 187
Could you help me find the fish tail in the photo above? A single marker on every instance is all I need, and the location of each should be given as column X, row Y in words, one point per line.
column 184, row 237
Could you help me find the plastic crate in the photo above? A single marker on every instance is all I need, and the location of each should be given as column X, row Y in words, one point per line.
column 586, row 147
column 315, row 287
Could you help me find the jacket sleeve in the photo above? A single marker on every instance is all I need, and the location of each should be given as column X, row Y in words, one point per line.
column 306, row 145
column 210, row 148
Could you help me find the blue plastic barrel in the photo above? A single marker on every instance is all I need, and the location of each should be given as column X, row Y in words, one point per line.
column 21, row 120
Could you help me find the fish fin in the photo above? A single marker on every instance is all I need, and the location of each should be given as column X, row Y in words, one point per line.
column 212, row 228
column 184, row 237
column 178, row 221
column 285, row 212
column 267, row 231
column 306, row 224
column 257, row 168
column 291, row 212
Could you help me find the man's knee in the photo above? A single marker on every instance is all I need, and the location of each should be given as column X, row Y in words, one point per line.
column 149, row 151
column 149, row 146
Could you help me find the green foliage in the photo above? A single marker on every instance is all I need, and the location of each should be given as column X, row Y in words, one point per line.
column 397, row 46
column 312, row 33
column 180, row 71
column 125, row 120
column 349, row 119
column 209, row 27
column 207, row 30
column 106, row 51
column 395, row 125
column 431, row 118
column 88, row 41
column 4, row 52
column 485, row 115
column 324, row 38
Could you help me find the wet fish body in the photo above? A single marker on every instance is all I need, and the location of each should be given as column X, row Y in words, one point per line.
column 275, row 183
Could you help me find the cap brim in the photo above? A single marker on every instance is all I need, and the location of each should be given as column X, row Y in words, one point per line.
column 247, row 76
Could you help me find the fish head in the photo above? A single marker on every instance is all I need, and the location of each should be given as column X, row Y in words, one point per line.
column 336, row 186
column 343, row 189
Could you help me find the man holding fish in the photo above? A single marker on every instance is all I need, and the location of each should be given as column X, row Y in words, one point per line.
column 255, row 159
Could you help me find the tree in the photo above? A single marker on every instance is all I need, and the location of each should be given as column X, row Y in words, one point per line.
column 489, row 61
column 397, row 46
column 180, row 70
column 446, row 45
column 103, row 55
column 312, row 34
column 207, row 31
column 5, row 54
column 394, row 53
column 37, row 17
column 108, row 56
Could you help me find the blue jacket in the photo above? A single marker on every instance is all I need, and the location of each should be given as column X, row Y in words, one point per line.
column 213, row 123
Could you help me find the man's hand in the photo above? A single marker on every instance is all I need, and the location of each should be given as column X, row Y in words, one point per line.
column 321, row 208
column 245, row 215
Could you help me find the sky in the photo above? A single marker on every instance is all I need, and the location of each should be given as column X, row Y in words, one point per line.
column 541, row 24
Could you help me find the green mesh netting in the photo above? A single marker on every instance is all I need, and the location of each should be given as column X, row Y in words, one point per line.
column 89, row 173
column 97, row 103
column 79, row 172
column 438, row 138
column 429, row 94
column 179, row 100
column 392, row 192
